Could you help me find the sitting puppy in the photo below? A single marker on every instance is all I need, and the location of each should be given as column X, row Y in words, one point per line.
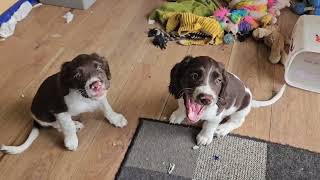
column 81, row 86
column 205, row 90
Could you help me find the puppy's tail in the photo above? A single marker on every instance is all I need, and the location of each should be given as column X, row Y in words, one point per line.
column 256, row 104
column 19, row 149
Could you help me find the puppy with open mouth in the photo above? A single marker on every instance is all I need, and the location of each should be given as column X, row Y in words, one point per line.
column 81, row 86
column 206, row 91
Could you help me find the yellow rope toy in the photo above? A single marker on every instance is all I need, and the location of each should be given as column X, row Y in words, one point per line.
column 190, row 23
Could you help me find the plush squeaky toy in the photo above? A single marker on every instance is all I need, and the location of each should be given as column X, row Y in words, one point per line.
column 275, row 40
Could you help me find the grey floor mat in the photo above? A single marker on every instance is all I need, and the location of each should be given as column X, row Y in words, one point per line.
column 156, row 145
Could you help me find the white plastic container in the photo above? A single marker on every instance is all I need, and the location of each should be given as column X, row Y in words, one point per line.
column 303, row 64
column 77, row 4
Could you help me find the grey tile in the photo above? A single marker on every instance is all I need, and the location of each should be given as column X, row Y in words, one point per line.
column 236, row 158
column 285, row 162
column 159, row 144
column 132, row 173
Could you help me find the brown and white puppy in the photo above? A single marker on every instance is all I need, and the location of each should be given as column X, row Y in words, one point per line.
column 205, row 90
column 81, row 86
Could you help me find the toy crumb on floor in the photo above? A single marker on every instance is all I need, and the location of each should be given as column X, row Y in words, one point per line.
column 215, row 157
column 68, row 17
column 56, row 35
column 171, row 168
column 22, row 95
column 195, row 147
column 117, row 143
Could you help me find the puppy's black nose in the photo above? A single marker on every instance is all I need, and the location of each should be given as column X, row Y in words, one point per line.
column 205, row 99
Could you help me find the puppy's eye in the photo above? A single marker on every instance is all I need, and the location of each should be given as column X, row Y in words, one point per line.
column 77, row 75
column 195, row 76
column 218, row 81
column 98, row 67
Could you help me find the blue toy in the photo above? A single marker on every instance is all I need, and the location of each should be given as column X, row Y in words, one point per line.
column 316, row 5
column 307, row 5
column 228, row 38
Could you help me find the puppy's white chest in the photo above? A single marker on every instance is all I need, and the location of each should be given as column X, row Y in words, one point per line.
column 77, row 104
column 211, row 113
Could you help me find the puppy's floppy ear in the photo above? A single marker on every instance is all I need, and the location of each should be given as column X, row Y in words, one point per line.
column 176, row 74
column 65, row 71
column 66, row 76
column 220, row 65
column 107, row 69
column 222, row 94
column 105, row 64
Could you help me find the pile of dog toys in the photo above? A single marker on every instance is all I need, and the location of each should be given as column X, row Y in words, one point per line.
column 236, row 20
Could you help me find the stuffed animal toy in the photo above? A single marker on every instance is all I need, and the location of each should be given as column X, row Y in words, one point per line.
column 248, row 24
column 237, row 14
column 273, row 39
column 258, row 9
column 236, row 22
column 222, row 15
column 274, row 6
column 229, row 26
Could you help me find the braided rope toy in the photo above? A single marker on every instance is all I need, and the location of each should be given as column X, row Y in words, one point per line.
column 161, row 38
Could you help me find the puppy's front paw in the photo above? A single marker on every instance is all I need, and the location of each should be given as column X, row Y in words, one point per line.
column 118, row 120
column 176, row 118
column 221, row 131
column 204, row 139
column 71, row 142
column 78, row 125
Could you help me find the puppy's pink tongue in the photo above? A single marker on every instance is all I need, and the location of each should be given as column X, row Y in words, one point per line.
column 194, row 110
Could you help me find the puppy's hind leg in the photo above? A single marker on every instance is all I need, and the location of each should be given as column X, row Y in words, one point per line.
column 178, row 115
column 69, row 131
column 234, row 122
column 79, row 125
column 56, row 125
